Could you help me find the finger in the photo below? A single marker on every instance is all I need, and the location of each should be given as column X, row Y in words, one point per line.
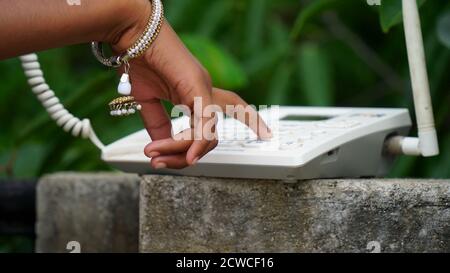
column 195, row 92
column 172, row 162
column 177, row 161
column 204, row 136
column 234, row 106
column 178, row 144
column 156, row 119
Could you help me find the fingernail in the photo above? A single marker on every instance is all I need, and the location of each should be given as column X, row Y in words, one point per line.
column 269, row 136
column 266, row 136
column 160, row 165
column 194, row 162
column 153, row 154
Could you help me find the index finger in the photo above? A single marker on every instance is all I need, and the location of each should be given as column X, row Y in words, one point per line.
column 234, row 106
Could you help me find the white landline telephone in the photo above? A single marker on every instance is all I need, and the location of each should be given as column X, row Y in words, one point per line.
column 310, row 142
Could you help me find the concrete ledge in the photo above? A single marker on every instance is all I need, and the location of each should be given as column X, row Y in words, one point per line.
column 182, row 214
column 100, row 211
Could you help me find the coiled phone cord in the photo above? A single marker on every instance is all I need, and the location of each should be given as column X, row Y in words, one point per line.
column 57, row 111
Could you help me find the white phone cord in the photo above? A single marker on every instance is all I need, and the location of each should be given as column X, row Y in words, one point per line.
column 64, row 119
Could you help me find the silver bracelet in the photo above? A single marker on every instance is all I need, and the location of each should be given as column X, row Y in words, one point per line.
column 126, row 104
column 140, row 46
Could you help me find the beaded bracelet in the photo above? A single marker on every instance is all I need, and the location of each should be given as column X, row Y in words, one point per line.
column 126, row 105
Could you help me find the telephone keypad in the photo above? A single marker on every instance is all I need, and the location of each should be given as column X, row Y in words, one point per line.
column 288, row 136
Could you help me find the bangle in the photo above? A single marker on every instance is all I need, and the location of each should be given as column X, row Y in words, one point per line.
column 126, row 104
column 140, row 46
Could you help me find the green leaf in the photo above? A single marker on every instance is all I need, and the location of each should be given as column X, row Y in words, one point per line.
column 274, row 51
column 279, row 86
column 28, row 159
column 403, row 166
column 315, row 77
column 443, row 29
column 215, row 15
column 225, row 71
column 308, row 13
column 255, row 26
column 391, row 13
column 440, row 169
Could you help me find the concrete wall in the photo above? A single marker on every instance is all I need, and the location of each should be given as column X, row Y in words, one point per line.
column 180, row 214
column 99, row 211
column 184, row 214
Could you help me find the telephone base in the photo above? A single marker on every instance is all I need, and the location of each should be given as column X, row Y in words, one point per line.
column 326, row 143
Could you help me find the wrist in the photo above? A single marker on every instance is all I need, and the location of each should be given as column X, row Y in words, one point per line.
column 131, row 23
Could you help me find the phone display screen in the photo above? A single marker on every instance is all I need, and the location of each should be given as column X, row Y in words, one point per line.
column 305, row 118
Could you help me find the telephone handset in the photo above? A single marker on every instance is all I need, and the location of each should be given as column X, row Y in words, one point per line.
column 309, row 142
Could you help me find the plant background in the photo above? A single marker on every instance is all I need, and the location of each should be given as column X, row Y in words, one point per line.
column 290, row 52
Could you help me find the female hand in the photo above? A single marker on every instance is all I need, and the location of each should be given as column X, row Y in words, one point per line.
column 168, row 71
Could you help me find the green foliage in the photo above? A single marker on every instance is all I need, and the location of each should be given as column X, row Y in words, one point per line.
column 315, row 78
column 391, row 13
column 223, row 68
column 310, row 12
column 443, row 29
column 15, row 244
column 270, row 52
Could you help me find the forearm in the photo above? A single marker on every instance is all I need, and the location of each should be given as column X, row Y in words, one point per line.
column 30, row 25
